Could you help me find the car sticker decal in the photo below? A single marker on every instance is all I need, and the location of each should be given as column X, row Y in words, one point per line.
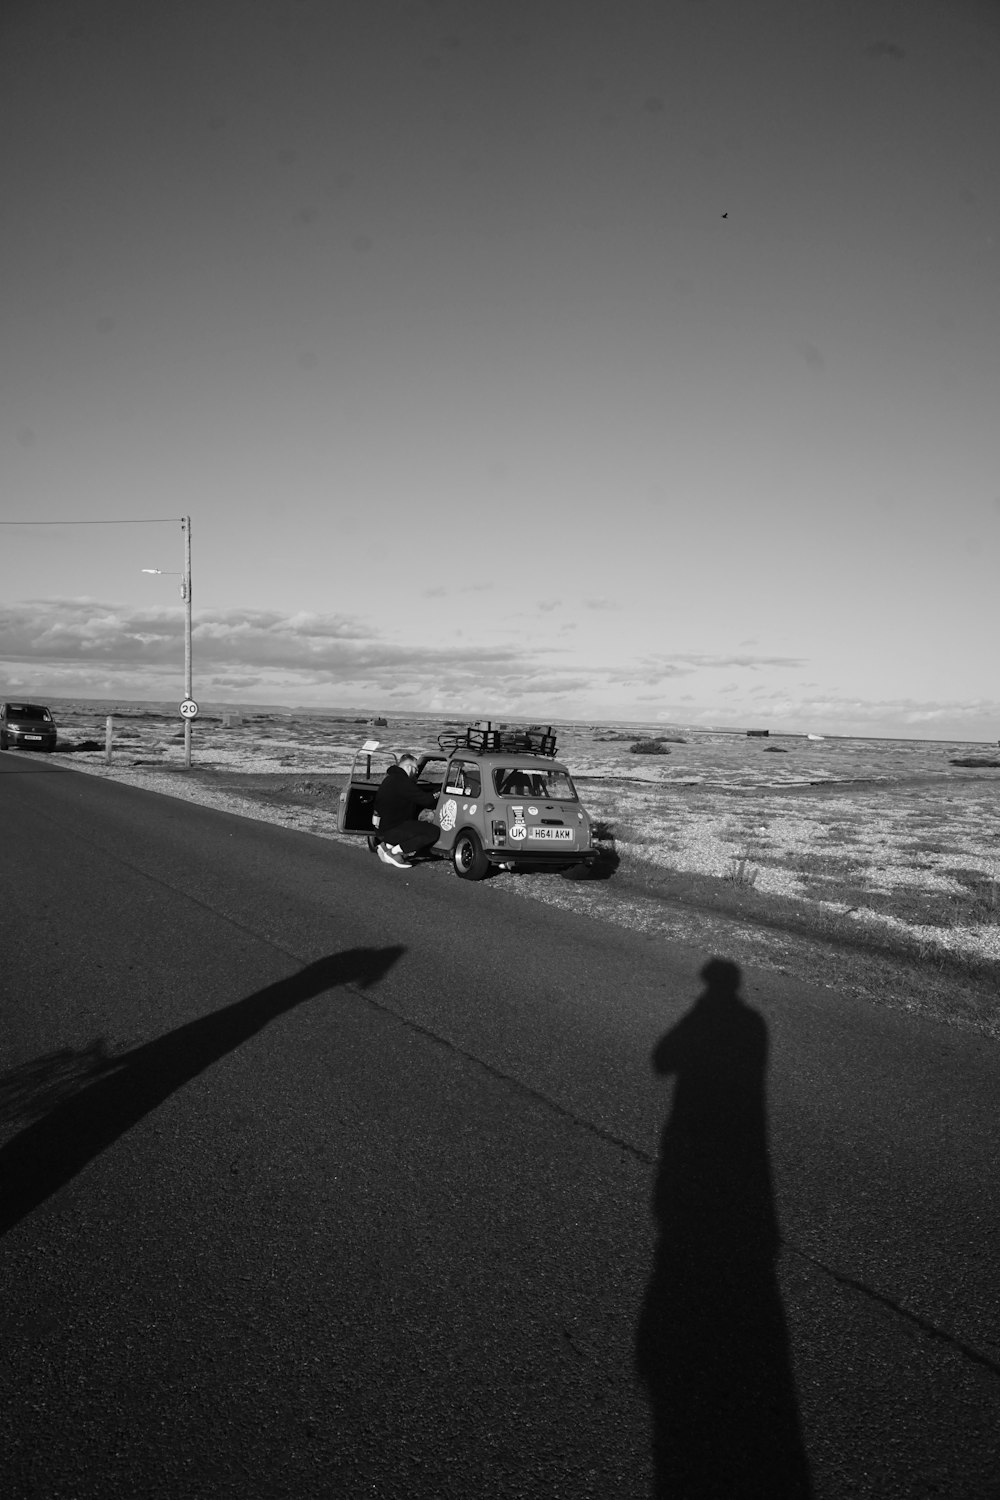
column 449, row 814
column 517, row 829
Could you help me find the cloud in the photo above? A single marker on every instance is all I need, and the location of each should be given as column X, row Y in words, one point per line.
column 680, row 663
column 90, row 631
column 911, row 712
column 813, row 357
column 87, row 648
column 555, row 685
column 751, row 662
column 601, row 603
column 891, row 50
column 93, row 648
column 438, row 590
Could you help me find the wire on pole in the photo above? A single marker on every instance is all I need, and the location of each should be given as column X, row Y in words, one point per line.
column 130, row 521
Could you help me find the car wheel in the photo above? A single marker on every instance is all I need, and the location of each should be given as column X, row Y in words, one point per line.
column 3, row 741
column 372, row 842
column 468, row 858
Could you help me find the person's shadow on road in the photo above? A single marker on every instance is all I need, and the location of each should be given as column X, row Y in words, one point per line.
column 711, row 1343
column 120, row 1091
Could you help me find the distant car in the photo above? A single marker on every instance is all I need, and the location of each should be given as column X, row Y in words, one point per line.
column 26, row 726
column 503, row 800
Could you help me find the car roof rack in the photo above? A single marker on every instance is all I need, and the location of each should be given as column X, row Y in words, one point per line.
column 485, row 738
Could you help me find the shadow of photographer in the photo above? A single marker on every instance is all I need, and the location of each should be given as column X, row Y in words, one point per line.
column 711, row 1343
column 115, row 1093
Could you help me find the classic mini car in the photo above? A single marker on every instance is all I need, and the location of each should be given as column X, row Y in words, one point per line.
column 26, row 726
column 503, row 801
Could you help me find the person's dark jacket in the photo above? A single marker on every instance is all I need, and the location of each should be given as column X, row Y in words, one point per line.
column 399, row 799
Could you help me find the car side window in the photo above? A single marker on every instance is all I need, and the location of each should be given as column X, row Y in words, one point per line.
column 463, row 779
column 453, row 779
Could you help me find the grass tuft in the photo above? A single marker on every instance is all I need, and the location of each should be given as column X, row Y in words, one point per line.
column 743, row 874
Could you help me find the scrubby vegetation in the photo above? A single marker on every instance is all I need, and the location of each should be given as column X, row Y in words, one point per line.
column 616, row 738
column 913, row 921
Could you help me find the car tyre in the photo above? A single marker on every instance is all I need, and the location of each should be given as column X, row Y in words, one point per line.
column 372, row 842
column 3, row 741
column 468, row 858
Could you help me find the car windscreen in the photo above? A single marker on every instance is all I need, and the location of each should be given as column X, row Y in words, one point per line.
column 30, row 712
column 546, row 783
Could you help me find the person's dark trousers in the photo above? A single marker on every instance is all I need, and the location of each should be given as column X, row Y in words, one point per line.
column 411, row 836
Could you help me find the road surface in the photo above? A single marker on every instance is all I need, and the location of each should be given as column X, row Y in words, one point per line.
column 323, row 1179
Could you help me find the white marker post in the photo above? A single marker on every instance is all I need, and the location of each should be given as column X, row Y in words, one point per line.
column 109, row 729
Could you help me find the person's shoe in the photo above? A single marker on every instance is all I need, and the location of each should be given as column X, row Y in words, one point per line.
column 393, row 857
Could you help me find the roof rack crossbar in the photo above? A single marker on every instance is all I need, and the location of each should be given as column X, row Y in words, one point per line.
column 484, row 739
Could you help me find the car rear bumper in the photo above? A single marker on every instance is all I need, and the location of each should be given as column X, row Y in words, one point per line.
column 543, row 858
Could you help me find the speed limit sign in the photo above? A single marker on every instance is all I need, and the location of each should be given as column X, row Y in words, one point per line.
column 189, row 709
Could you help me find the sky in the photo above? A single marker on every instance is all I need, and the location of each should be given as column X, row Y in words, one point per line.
column 634, row 360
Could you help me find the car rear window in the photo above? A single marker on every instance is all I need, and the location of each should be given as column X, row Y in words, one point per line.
column 551, row 784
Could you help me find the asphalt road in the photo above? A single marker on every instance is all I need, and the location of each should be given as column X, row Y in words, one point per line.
column 326, row 1179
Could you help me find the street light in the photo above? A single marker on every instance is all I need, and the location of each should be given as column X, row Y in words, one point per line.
column 185, row 578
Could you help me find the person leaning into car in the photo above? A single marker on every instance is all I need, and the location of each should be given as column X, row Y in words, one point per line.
column 403, row 811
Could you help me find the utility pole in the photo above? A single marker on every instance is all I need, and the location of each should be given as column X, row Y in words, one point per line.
column 189, row 709
column 186, row 591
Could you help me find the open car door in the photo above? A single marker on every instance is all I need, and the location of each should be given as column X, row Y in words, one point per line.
column 357, row 800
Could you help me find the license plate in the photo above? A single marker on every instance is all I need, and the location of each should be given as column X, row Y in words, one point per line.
column 561, row 835
column 32, row 736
